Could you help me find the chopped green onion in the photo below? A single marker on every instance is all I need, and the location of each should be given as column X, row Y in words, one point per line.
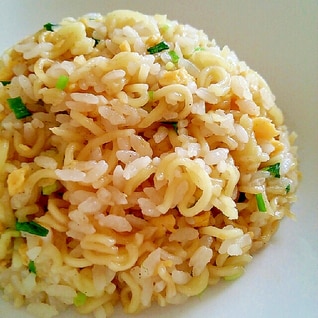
column 260, row 202
column 79, row 299
column 18, row 107
column 150, row 94
column 174, row 57
column 158, row 48
column 164, row 28
column 32, row 268
column 96, row 42
column 50, row 188
column 273, row 170
column 4, row 83
column 287, row 188
column 199, row 48
column 32, row 228
column 49, row 26
column 62, row 82
column 174, row 124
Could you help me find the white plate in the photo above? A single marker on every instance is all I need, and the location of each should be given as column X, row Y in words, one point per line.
column 279, row 39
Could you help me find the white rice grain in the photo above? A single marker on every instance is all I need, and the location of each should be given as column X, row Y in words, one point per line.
column 149, row 264
column 90, row 206
column 241, row 134
column 234, row 246
column 184, row 234
column 42, row 310
column 68, row 293
column 113, row 116
column 141, row 146
column 240, row 87
column 46, row 162
column 268, row 99
column 34, row 252
column 115, row 222
column 97, row 171
column 248, row 107
column 161, row 134
column 102, row 276
column 199, row 259
column 215, row 156
column 148, row 208
column 180, row 277
column 70, row 175
column 135, row 166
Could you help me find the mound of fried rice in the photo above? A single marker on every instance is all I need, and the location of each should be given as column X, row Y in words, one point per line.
column 139, row 163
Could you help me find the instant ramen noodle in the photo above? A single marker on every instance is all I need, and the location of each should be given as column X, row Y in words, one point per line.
column 139, row 163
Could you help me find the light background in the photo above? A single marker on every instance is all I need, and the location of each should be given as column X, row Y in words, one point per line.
column 279, row 39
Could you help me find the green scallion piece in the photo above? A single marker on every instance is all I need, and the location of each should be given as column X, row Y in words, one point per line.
column 49, row 26
column 164, row 28
column 62, row 82
column 158, row 48
column 174, row 57
column 150, row 94
column 199, row 48
column 174, row 124
column 50, row 188
column 32, row 268
column 18, row 107
column 287, row 189
column 32, row 228
column 5, row 83
column 260, row 202
column 79, row 299
column 96, row 42
column 274, row 170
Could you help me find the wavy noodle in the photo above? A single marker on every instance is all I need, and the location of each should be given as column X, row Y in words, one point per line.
column 124, row 259
column 4, row 149
column 197, row 176
column 211, row 74
column 101, row 140
column 141, row 90
column 130, row 294
column 56, row 215
column 5, row 242
column 166, row 277
column 26, row 151
column 40, row 66
column 134, row 182
column 142, row 167
column 155, row 115
column 205, row 58
column 181, row 92
column 225, row 271
column 75, row 262
column 196, row 285
column 23, row 212
column 87, row 123
column 93, row 304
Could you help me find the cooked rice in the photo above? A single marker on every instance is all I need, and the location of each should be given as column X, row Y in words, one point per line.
column 144, row 168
